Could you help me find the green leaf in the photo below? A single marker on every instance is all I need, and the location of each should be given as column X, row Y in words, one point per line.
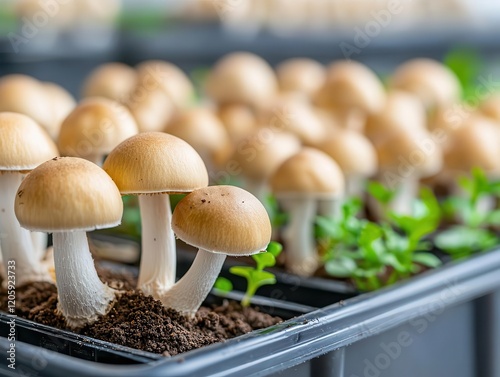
column 243, row 271
column 465, row 240
column 380, row 192
column 264, row 260
column 341, row 267
column 493, row 218
column 261, row 278
column 275, row 248
column 466, row 64
column 391, row 260
column 427, row 259
column 223, row 284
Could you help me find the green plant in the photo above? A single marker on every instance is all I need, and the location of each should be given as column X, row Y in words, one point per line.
column 256, row 276
column 473, row 233
column 374, row 255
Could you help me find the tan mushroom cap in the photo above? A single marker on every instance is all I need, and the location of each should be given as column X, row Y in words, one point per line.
column 224, row 220
column 352, row 151
column 26, row 95
column 157, row 74
column 239, row 121
column 491, row 107
column 475, row 144
column 309, row 172
column 401, row 110
column 435, row 84
column 155, row 162
column 68, row 193
column 413, row 152
column 352, row 85
column 95, row 127
column 301, row 75
column 23, row 143
column 201, row 129
column 264, row 151
column 242, row 78
column 152, row 109
column 62, row 104
column 114, row 81
column 292, row 114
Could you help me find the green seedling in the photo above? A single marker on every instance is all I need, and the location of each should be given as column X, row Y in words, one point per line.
column 256, row 276
column 473, row 233
column 278, row 218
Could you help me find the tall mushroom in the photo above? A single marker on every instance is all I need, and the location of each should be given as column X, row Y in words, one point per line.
column 299, row 183
column 355, row 155
column 94, row 128
column 68, row 197
column 23, row 146
column 219, row 221
column 153, row 165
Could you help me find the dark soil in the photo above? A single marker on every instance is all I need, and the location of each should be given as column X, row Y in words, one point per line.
column 142, row 322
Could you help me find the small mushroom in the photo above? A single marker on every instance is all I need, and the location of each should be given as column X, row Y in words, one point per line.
column 308, row 179
column 433, row 83
column 355, row 155
column 259, row 155
column 239, row 121
column 242, row 78
column 491, row 107
column 351, row 91
column 201, row 129
column 154, row 165
column 23, row 146
column 62, row 104
column 151, row 108
column 114, row 81
column 94, row 128
column 219, row 221
column 68, row 197
column 301, row 75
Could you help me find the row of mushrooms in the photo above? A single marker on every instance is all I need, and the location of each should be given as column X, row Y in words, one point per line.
column 309, row 134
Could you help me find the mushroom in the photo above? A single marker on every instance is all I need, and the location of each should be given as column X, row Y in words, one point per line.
column 355, row 155
column 154, row 165
column 239, row 121
column 23, row 146
column 301, row 75
column 351, row 91
column 201, row 129
column 491, row 107
column 258, row 156
column 68, row 197
column 115, row 81
column 308, row 177
column 151, row 108
column 94, row 128
column 219, row 221
column 242, row 78
column 433, row 83
column 62, row 104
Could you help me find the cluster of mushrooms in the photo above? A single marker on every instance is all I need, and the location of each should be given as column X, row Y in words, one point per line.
column 310, row 135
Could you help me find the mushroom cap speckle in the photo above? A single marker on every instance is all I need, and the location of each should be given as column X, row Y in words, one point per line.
column 156, row 162
column 222, row 219
column 23, row 143
column 95, row 127
column 309, row 172
column 68, row 193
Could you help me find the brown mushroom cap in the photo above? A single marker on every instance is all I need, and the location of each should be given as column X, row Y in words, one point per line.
column 262, row 153
column 309, row 172
column 242, row 78
column 62, row 104
column 95, row 127
column 222, row 219
column 201, row 129
column 352, row 151
column 26, row 95
column 155, row 162
column 491, row 107
column 68, row 193
column 152, row 109
column 435, row 84
column 301, row 75
column 114, row 81
column 157, row 74
column 239, row 121
column 352, row 85
column 23, row 143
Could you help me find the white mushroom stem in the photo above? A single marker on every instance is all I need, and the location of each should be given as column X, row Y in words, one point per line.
column 15, row 241
column 39, row 240
column 354, row 185
column 158, row 258
column 187, row 295
column 298, row 236
column 406, row 193
column 258, row 188
column 329, row 207
column 82, row 297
